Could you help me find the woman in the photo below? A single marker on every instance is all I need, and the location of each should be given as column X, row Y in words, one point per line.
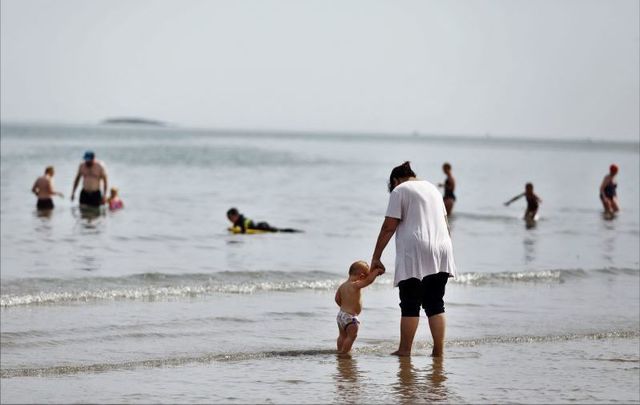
column 424, row 254
column 449, row 187
column 608, row 194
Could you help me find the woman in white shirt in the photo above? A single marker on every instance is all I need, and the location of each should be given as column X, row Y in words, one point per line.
column 424, row 254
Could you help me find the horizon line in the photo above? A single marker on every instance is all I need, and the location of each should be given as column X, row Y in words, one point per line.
column 273, row 131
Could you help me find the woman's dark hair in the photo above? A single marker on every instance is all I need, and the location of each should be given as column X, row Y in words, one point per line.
column 233, row 211
column 400, row 172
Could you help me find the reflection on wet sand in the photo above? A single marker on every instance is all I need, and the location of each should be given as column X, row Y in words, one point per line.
column 348, row 388
column 419, row 386
column 437, row 377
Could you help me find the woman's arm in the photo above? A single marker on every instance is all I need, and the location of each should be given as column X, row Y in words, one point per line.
column 513, row 199
column 604, row 184
column 389, row 227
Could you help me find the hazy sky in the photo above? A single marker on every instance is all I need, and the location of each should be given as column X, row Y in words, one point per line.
column 561, row 68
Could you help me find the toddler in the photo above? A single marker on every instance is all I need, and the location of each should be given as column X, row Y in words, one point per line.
column 115, row 203
column 349, row 298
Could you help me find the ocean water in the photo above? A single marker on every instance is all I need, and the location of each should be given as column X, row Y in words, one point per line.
column 159, row 303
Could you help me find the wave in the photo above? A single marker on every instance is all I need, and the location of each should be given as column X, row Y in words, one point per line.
column 157, row 286
column 381, row 348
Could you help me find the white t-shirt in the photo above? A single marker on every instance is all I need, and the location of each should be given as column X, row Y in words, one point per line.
column 423, row 244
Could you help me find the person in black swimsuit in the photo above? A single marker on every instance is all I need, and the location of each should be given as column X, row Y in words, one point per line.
column 608, row 194
column 533, row 202
column 239, row 221
column 449, row 185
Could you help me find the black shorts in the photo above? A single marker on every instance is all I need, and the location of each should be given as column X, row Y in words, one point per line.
column 428, row 293
column 91, row 198
column 45, row 204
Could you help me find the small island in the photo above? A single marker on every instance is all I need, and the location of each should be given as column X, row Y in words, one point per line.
column 133, row 121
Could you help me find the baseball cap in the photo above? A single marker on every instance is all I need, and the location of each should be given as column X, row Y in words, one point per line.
column 89, row 155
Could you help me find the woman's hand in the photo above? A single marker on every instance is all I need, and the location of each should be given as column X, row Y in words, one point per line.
column 377, row 264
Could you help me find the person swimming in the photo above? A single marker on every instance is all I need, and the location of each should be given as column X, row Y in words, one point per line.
column 241, row 224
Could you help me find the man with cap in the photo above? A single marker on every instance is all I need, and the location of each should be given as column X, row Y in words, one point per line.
column 92, row 172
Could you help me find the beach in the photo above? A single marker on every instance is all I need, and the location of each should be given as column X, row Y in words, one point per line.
column 158, row 302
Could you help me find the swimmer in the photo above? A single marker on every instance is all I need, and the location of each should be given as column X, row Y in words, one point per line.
column 243, row 224
column 533, row 202
column 349, row 299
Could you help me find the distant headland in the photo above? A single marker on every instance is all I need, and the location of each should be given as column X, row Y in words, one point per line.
column 133, row 121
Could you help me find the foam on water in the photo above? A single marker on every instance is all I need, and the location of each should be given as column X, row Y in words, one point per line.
column 154, row 286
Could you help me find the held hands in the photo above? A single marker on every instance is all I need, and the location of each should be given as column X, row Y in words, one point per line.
column 377, row 264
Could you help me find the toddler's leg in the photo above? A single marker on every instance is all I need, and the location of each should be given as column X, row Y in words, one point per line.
column 341, row 336
column 351, row 335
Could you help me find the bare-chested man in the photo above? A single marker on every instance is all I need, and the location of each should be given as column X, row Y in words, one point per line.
column 92, row 172
column 43, row 189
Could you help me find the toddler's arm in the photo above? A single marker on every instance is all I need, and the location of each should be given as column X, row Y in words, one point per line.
column 338, row 299
column 367, row 280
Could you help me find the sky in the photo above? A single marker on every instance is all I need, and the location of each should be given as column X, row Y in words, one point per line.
column 525, row 68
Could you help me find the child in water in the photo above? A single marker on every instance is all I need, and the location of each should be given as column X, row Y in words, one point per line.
column 533, row 202
column 114, row 201
column 349, row 299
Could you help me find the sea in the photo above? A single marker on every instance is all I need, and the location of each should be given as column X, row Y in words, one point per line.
column 159, row 303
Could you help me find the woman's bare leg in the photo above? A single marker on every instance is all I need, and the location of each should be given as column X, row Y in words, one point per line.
column 438, row 325
column 606, row 205
column 408, row 328
column 448, row 205
column 614, row 204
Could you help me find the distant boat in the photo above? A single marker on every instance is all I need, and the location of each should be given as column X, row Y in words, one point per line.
column 133, row 121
